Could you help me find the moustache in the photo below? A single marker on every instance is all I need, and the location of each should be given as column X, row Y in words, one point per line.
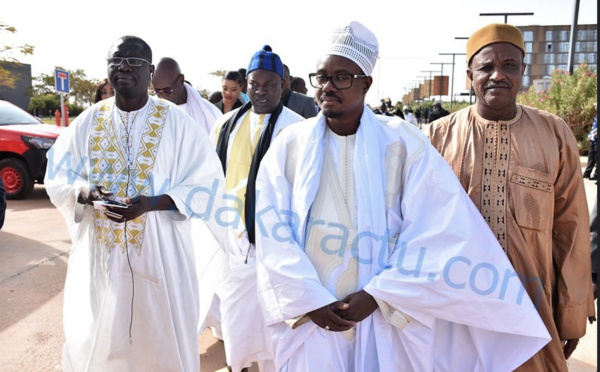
column 330, row 95
column 501, row 84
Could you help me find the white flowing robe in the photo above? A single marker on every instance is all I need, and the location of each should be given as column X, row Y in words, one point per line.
column 211, row 260
column 242, row 325
column 423, row 249
column 162, row 305
column 200, row 109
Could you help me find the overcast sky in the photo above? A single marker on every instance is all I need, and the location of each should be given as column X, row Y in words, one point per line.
column 209, row 36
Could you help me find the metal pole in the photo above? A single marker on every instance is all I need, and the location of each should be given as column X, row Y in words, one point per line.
column 470, row 93
column 441, row 81
column 430, row 80
column 62, row 110
column 452, row 86
column 430, row 92
column 505, row 15
column 572, row 37
column 442, row 74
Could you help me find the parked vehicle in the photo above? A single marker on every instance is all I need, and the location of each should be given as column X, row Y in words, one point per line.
column 24, row 141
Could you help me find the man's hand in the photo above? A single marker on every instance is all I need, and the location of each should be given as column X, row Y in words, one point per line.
column 97, row 192
column 569, row 347
column 139, row 205
column 592, row 318
column 325, row 317
column 360, row 305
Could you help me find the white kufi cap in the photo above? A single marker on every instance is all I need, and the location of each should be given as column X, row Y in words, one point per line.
column 356, row 43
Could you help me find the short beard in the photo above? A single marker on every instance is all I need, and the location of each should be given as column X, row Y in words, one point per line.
column 332, row 114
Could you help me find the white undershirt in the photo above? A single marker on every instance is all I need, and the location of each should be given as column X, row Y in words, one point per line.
column 130, row 127
column 342, row 153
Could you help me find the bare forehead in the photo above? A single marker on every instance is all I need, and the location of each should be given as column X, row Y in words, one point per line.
column 165, row 73
column 230, row 83
column 499, row 51
column 332, row 64
column 127, row 47
column 263, row 75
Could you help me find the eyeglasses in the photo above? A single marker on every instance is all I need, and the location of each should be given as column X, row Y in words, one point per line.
column 165, row 91
column 339, row 81
column 131, row 61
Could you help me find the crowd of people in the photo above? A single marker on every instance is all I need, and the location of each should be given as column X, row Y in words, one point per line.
column 421, row 115
column 327, row 237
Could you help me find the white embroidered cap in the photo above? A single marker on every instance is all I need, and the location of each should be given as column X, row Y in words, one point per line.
column 358, row 44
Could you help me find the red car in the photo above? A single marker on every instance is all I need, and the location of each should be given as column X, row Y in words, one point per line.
column 24, row 141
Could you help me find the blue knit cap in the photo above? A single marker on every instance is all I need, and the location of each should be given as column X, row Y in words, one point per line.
column 265, row 59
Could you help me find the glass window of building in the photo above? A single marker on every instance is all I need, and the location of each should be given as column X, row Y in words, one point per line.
column 549, row 69
column 528, row 35
column 579, row 58
column 525, row 81
column 548, row 58
column 582, row 35
column 579, row 46
column 564, row 35
column 528, row 47
column 562, row 58
column 564, row 47
column 591, row 58
column 549, row 35
column 562, row 67
column 527, row 58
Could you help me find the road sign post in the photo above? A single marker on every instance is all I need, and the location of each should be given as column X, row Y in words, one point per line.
column 61, row 83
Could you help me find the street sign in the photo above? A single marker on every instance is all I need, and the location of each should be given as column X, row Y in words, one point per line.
column 61, row 81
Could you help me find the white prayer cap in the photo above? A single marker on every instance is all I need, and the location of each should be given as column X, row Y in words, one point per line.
column 357, row 43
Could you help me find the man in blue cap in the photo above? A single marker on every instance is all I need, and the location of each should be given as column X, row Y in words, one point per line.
column 242, row 138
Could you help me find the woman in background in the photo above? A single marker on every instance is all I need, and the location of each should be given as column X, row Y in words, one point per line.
column 103, row 91
column 230, row 89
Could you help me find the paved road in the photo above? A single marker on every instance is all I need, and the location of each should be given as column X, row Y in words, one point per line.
column 34, row 246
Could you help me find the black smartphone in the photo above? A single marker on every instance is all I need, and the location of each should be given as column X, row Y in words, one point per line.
column 114, row 203
column 113, row 214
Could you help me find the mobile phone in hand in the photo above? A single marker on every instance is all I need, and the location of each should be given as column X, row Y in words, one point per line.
column 113, row 214
column 114, row 203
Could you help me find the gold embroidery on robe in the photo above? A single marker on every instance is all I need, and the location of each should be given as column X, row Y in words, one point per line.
column 110, row 169
column 495, row 169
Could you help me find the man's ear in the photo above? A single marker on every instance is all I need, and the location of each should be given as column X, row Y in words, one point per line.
column 470, row 73
column 368, row 81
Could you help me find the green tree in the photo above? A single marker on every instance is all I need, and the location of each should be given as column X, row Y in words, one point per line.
column 571, row 97
column 44, row 104
column 81, row 89
column 7, row 53
column 204, row 93
column 219, row 73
